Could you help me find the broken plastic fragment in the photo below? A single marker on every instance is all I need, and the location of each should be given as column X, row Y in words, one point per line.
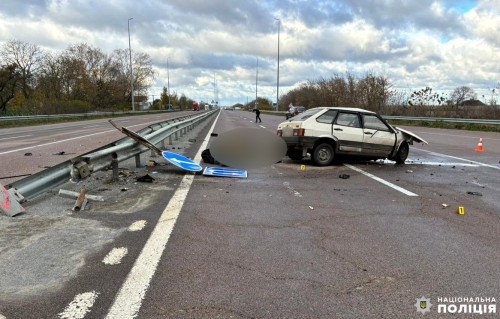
column 145, row 179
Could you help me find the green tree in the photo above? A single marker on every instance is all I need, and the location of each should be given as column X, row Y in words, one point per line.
column 9, row 79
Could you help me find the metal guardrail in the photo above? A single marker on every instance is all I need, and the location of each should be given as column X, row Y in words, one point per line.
column 424, row 119
column 123, row 149
column 60, row 116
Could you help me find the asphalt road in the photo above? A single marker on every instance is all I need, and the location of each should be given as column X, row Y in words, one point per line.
column 283, row 243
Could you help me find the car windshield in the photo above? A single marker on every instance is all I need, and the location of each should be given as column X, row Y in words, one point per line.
column 306, row 115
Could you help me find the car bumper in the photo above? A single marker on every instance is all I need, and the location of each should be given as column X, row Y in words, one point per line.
column 299, row 141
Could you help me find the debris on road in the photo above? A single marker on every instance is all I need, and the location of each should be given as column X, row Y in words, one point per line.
column 124, row 173
column 124, row 189
column 214, row 134
column 73, row 195
column 145, row 179
column 81, row 201
column 311, row 207
column 444, row 205
column 150, row 163
column 27, row 154
column 475, row 193
column 192, row 140
column 344, row 176
column 63, row 153
column 409, row 171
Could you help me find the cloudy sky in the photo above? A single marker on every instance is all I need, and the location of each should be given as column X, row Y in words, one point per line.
column 442, row 44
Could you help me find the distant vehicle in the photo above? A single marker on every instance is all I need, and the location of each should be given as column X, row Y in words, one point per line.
column 331, row 132
column 294, row 110
column 196, row 107
column 207, row 107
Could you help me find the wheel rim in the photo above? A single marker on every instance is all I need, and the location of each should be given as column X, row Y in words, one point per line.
column 324, row 154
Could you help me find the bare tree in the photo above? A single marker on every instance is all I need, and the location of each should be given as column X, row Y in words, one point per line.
column 461, row 94
column 27, row 57
column 9, row 78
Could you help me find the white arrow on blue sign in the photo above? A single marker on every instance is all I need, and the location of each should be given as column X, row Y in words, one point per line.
column 181, row 161
column 224, row 172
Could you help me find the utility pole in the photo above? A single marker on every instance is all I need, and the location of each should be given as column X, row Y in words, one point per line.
column 256, row 77
column 278, row 75
column 168, row 85
column 131, row 70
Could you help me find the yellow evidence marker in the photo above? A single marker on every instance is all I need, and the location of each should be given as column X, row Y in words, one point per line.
column 460, row 210
column 302, row 167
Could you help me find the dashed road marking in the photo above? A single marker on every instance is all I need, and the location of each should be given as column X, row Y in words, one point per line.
column 114, row 257
column 9, row 138
column 459, row 158
column 90, row 126
column 129, row 299
column 138, row 225
column 378, row 179
column 80, row 306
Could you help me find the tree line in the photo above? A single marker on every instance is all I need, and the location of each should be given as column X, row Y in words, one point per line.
column 376, row 92
column 80, row 79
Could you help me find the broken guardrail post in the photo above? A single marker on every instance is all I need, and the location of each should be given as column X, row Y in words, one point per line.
column 114, row 166
column 73, row 195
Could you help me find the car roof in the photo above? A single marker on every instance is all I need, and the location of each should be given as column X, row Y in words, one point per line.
column 352, row 109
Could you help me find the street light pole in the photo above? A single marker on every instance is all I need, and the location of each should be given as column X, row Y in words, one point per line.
column 278, row 75
column 256, row 78
column 131, row 70
column 168, row 84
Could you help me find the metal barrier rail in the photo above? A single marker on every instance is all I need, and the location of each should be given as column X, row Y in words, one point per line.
column 423, row 119
column 81, row 166
column 60, row 116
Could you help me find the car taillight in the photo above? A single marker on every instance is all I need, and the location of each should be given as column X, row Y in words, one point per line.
column 279, row 132
column 299, row 132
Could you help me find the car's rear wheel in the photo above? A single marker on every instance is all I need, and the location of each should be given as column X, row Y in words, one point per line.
column 295, row 155
column 402, row 154
column 323, row 154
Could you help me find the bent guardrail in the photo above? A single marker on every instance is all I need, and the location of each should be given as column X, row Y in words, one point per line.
column 84, row 165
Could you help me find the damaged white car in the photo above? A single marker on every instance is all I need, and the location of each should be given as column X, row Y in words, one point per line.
column 329, row 133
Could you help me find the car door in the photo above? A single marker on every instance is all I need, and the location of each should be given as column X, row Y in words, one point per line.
column 378, row 138
column 348, row 132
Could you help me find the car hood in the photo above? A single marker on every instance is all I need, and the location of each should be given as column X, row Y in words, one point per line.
column 409, row 134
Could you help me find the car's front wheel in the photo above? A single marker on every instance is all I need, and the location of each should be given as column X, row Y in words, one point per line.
column 402, row 154
column 323, row 154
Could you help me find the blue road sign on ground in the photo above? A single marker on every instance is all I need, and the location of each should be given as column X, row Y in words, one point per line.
column 181, row 161
column 224, row 172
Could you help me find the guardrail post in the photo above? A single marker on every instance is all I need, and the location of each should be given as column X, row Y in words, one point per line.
column 114, row 166
column 170, row 140
column 152, row 154
column 162, row 144
column 138, row 160
column 176, row 137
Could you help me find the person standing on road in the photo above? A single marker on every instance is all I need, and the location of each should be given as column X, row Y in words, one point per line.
column 257, row 115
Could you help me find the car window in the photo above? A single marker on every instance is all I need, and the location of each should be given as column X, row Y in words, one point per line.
column 348, row 119
column 305, row 115
column 328, row 117
column 373, row 122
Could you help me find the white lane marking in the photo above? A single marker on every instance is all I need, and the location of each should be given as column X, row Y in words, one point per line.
column 291, row 189
column 124, row 121
column 262, row 126
column 80, row 306
column 129, row 299
column 138, row 225
column 114, row 257
column 440, row 164
column 62, row 141
column 9, row 138
column 475, row 137
column 90, row 126
column 378, row 179
column 458, row 158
